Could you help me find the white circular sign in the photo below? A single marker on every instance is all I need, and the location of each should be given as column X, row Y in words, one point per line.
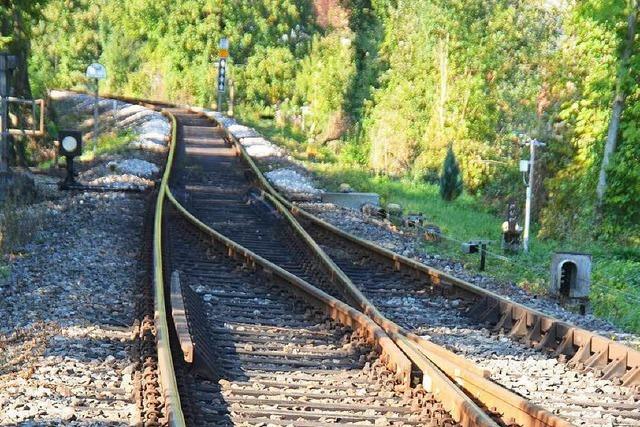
column 96, row 71
column 69, row 144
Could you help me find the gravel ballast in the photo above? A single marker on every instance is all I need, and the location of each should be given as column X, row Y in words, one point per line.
column 68, row 307
column 134, row 167
column 70, row 298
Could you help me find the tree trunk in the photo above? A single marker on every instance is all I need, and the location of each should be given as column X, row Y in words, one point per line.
column 618, row 106
column 22, row 44
column 444, row 65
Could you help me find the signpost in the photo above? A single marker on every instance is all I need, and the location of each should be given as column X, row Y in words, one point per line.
column 223, row 54
column 97, row 72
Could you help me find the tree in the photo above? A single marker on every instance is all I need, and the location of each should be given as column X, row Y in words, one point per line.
column 16, row 18
column 618, row 104
column 269, row 76
column 450, row 180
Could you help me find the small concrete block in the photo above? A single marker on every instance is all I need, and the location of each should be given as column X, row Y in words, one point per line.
column 351, row 200
column 577, row 268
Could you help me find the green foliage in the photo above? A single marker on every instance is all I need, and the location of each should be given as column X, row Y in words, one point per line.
column 387, row 85
column 450, row 180
column 615, row 293
column 269, row 77
column 160, row 48
column 323, row 81
column 108, row 143
column 584, row 82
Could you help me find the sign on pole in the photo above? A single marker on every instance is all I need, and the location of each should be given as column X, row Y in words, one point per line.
column 224, row 48
column 96, row 72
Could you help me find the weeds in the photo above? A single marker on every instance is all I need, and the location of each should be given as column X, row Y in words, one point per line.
column 18, row 226
column 18, row 222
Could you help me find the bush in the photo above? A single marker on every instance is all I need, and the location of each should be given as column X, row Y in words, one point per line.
column 269, row 76
column 450, row 180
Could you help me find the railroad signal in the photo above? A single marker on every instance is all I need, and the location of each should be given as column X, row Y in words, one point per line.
column 70, row 147
column 222, row 71
column 223, row 54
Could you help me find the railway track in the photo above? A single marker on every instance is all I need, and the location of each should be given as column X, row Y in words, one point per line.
column 270, row 356
column 599, row 384
column 223, row 285
column 261, row 352
column 216, row 189
column 580, row 397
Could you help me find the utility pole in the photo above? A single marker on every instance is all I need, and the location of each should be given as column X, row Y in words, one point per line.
column 533, row 143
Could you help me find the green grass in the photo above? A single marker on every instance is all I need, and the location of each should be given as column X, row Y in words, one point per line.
column 615, row 290
column 109, row 143
column 5, row 271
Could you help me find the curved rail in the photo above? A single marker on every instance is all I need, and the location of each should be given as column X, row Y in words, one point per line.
column 166, row 372
column 561, row 337
column 428, row 356
column 461, row 407
column 439, row 366
column 167, row 375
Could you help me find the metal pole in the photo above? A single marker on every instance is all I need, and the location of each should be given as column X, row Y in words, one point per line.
column 527, row 208
column 232, row 96
column 483, row 256
column 95, row 116
column 219, row 102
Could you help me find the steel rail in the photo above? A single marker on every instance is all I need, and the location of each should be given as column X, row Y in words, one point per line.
column 582, row 347
column 585, row 347
column 464, row 372
column 462, row 408
column 166, row 372
column 470, row 377
column 579, row 345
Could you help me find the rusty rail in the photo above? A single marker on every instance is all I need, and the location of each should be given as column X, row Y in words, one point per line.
column 544, row 332
column 579, row 346
column 166, row 374
column 468, row 376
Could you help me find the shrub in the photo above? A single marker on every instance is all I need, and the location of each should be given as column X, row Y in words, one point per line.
column 450, row 180
column 268, row 78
